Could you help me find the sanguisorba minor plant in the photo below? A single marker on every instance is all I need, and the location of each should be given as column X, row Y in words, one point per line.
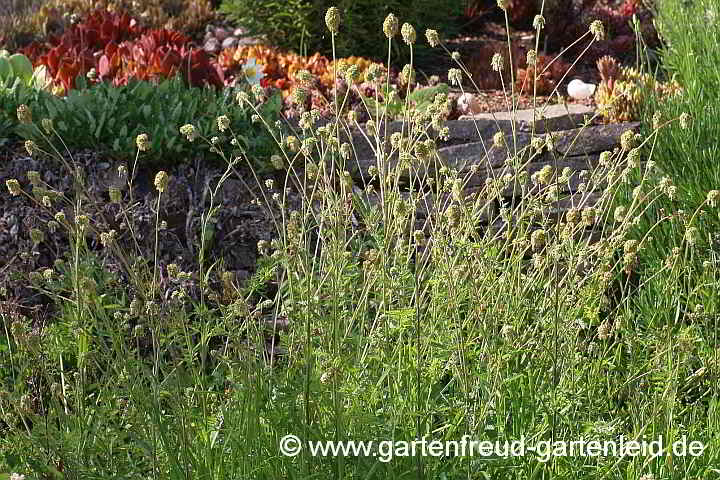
column 126, row 380
column 415, row 309
column 418, row 309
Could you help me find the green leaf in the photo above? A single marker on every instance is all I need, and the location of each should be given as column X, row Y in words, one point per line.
column 101, row 124
column 91, row 119
column 21, row 67
column 81, row 82
column 273, row 105
column 5, row 69
column 428, row 94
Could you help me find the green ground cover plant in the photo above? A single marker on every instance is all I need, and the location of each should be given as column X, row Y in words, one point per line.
column 361, row 323
column 109, row 118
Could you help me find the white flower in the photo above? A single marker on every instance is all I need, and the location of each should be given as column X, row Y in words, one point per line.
column 252, row 72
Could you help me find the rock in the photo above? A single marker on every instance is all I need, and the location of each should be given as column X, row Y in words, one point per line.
column 590, row 141
column 593, row 139
column 212, row 45
column 558, row 210
column 221, row 34
column 580, row 90
column 230, row 42
column 575, row 164
column 468, row 104
column 249, row 41
column 548, row 118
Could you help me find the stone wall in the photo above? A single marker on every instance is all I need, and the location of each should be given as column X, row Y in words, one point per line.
column 469, row 150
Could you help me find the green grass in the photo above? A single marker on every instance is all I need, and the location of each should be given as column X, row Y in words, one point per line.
column 394, row 333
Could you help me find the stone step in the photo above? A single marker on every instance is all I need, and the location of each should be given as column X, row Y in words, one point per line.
column 547, row 118
column 590, row 140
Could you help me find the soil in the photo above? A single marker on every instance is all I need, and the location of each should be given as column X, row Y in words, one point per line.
column 237, row 227
column 477, row 48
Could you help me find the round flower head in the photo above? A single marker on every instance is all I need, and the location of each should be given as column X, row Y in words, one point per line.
column 47, row 125
column 537, row 143
column 189, row 131
column 497, row 62
column 292, row 143
column 37, row 235
column 161, row 181
column 531, row 57
column 242, row 98
column 143, row 142
column 598, row 30
column 24, row 114
column 277, row 162
column 627, row 140
column 373, row 73
column 396, row 139
column 408, row 33
column 538, row 22
column 13, row 187
column 537, row 239
column 391, row 26
column 332, row 19
column 712, row 197
column 545, row 175
column 31, row 147
column 107, row 238
column 499, row 139
column 605, row 158
column 620, row 213
column 408, row 74
column 588, row 216
column 573, row 216
column 503, row 4
column 684, row 120
column 432, row 37
column 223, row 122
column 82, row 221
column 352, row 73
column 34, row 177
column 303, row 77
column 299, row 95
column 455, row 76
